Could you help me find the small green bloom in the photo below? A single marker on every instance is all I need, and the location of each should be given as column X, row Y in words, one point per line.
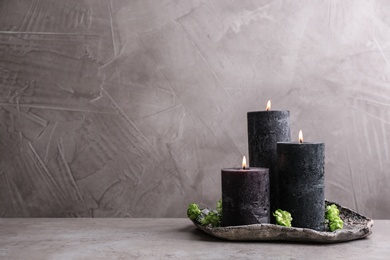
column 219, row 207
column 193, row 211
column 332, row 218
column 283, row 218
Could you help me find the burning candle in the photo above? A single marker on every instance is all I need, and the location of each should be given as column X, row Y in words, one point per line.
column 301, row 182
column 245, row 195
column 265, row 129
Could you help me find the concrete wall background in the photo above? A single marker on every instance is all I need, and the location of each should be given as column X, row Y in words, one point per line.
column 131, row 108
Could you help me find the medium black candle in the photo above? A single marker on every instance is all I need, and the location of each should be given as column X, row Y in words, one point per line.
column 245, row 196
column 265, row 129
column 301, row 179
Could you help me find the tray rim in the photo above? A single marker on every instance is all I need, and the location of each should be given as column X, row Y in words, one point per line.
column 292, row 233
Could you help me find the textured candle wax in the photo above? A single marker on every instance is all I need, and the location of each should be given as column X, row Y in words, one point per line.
column 301, row 179
column 265, row 129
column 245, row 196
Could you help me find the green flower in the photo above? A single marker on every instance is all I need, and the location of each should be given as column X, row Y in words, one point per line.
column 283, row 218
column 332, row 218
column 193, row 211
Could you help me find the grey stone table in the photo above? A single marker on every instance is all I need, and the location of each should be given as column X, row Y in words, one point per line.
column 126, row 238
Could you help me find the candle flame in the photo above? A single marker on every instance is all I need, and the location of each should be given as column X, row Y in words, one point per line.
column 243, row 162
column 268, row 108
column 300, row 137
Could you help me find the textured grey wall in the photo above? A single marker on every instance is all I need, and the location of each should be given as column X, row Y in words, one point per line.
column 131, row 108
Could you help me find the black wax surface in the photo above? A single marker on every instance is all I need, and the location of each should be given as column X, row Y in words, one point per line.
column 301, row 179
column 245, row 196
column 265, row 129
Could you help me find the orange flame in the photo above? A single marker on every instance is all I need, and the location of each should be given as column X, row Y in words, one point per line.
column 300, row 137
column 243, row 163
column 268, row 108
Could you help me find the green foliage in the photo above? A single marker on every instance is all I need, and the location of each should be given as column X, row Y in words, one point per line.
column 283, row 218
column 219, row 207
column 332, row 217
column 209, row 217
column 193, row 211
column 206, row 216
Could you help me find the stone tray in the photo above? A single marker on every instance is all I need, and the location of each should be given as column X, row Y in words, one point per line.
column 356, row 226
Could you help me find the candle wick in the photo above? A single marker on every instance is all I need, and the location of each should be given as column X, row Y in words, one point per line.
column 243, row 167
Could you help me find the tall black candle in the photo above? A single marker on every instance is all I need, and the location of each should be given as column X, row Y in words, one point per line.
column 265, row 129
column 301, row 178
column 245, row 196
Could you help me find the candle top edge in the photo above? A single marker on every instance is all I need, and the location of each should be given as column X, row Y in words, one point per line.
column 268, row 111
column 288, row 143
column 246, row 169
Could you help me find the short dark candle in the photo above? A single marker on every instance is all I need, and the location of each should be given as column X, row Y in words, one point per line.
column 245, row 196
column 265, row 129
column 301, row 179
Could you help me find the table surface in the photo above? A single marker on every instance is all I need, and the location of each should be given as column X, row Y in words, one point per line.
column 173, row 238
